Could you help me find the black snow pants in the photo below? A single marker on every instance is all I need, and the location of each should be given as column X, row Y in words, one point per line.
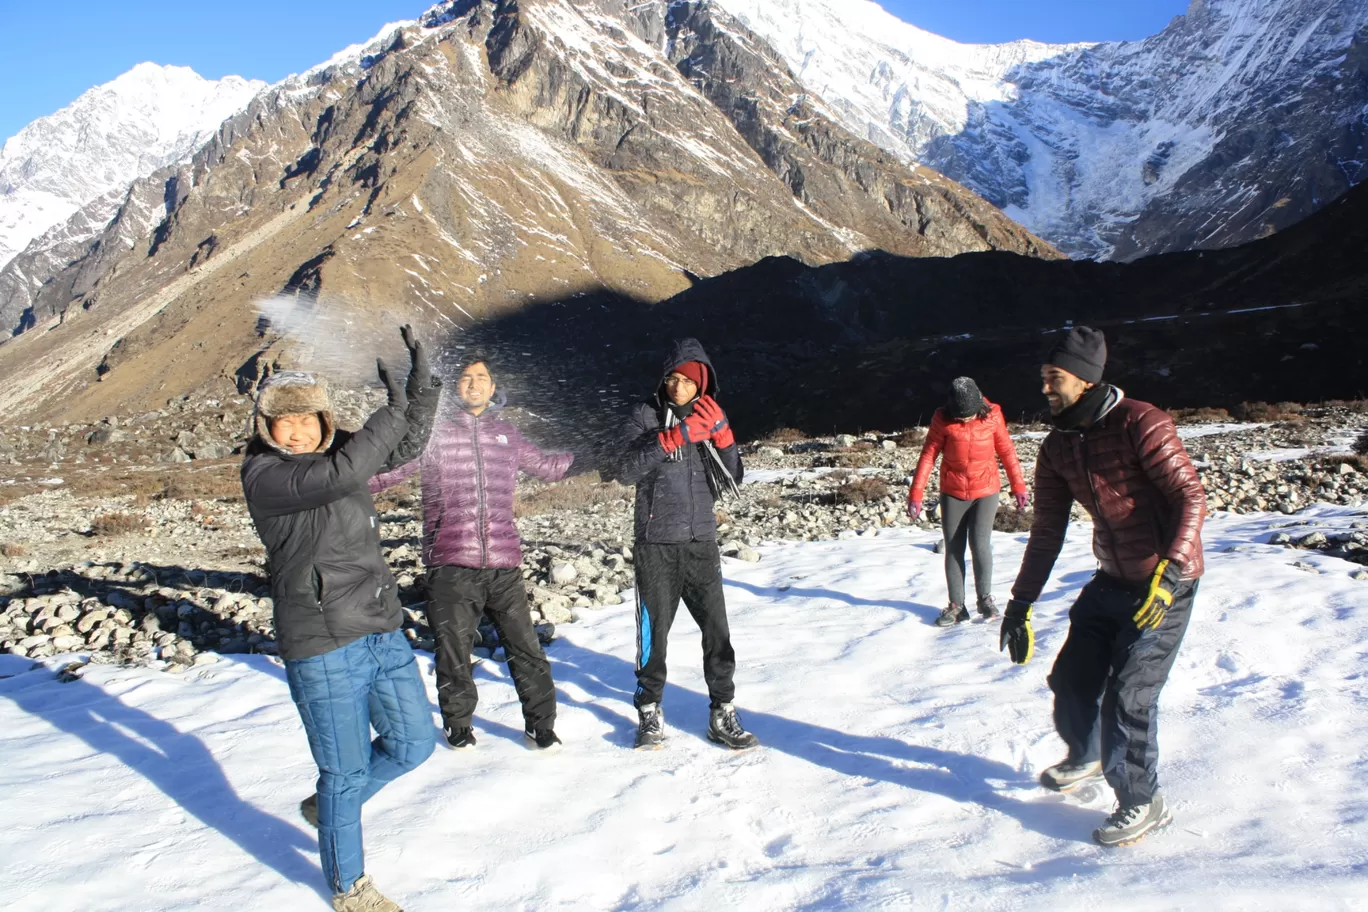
column 457, row 596
column 1106, row 682
column 665, row 573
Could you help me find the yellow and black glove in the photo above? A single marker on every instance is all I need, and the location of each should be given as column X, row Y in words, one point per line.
column 1017, row 637
column 1159, row 595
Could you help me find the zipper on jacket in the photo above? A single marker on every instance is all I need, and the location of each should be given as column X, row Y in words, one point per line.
column 1097, row 504
column 479, row 489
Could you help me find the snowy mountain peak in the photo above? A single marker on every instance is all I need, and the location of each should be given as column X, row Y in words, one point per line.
column 1239, row 118
column 111, row 135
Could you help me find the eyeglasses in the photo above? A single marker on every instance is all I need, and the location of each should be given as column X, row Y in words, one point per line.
column 675, row 380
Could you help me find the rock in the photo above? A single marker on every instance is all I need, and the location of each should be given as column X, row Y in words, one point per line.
column 176, row 455
column 1361, row 575
column 845, row 440
column 1303, row 565
column 212, row 451
column 67, row 643
column 1314, row 540
column 939, row 546
column 889, row 445
column 1346, row 468
column 205, row 658
column 769, row 452
column 546, row 632
column 563, row 573
column 748, row 554
column 1280, row 538
column 557, row 614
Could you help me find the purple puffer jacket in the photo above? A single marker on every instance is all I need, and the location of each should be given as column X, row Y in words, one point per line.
column 470, row 468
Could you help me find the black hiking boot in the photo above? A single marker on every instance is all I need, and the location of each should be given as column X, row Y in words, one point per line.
column 1067, row 775
column 308, row 809
column 951, row 615
column 725, row 728
column 541, row 739
column 650, row 727
column 987, row 608
column 460, row 738
column 1129, row 825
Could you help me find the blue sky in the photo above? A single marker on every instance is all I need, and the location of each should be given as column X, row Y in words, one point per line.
column 58, row 51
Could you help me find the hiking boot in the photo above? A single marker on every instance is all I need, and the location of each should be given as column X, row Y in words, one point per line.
column 951, row 615
column 987, row 608
column 1066, row 775
column 308, row 809
column 725, row 728
column 1129, row 825
column 650, row 727
column 460, row 738
column 542, row 739
column 363, row 897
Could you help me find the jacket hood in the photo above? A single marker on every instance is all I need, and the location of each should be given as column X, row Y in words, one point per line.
column 688, row 350
column 293, row 393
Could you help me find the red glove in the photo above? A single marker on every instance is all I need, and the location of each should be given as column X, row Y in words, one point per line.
column 694, row 429
column 719, row 428
column 914, row 508
column 1022, row 499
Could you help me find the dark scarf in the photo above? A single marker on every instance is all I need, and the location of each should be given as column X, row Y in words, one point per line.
column 719, row 479
column 1091, row 406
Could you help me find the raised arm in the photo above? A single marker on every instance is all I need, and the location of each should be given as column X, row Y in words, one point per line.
column 546, row 466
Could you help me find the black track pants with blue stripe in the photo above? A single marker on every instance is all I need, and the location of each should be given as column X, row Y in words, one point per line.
column 665, row 574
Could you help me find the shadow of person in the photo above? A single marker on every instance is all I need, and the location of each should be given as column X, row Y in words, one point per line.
column 963, row 778
column 177, row 764
column 925, row 612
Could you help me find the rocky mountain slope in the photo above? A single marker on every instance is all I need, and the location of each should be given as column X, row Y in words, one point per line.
column 875, row 341
column 1240, row 118
column 64, row 176
column 467, row 164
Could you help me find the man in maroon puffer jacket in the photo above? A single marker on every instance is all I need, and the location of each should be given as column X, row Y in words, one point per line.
column 1123, row 461
column 473, row 555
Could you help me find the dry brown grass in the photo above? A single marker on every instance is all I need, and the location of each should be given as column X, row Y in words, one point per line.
column 912, row 438
column 111, row 524
column 1290, row 412
column 854, row 459
column 1009, row 520
column 1358, row 460
column 862, row 490
column 1199, row 415
column 577, row 493
column 1353, row 405
column 12, row 549
column 785, row 435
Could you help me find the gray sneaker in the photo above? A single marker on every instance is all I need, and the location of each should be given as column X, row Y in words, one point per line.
column 650, row 727
column 987, row 608
column 1066, row 775
column 724, row 727
column 1128, row 825
column 363, row 897
column 951, row 615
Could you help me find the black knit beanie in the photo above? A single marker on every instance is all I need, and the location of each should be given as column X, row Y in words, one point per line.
column 1082, row 352
column 965, row 399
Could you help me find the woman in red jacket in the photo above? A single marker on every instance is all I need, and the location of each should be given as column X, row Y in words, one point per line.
column 972, row 434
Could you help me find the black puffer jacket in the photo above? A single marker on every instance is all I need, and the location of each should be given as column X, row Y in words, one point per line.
column 674, row 502
column 316, row 518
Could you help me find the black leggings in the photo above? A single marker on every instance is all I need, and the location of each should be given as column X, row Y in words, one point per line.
column 971, row 522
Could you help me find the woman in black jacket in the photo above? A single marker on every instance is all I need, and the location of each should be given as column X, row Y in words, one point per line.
column 337, row 614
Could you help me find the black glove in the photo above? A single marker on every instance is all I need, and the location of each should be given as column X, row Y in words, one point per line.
column 397, row 396
column 1017, row 637
column 420, row 372
column 1159, row 595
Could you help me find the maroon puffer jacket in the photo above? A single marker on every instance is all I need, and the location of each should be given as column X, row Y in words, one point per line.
column 470, row 468
column 1132, row 474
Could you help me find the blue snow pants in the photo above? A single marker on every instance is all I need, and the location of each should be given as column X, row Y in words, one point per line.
column 341, row 695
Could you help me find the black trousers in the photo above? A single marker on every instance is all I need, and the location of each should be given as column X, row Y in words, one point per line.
column 1107, row 678
column 457, row 596
column 691, row 571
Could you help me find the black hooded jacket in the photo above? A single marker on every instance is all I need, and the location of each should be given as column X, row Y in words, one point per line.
column 674, row 502
column 314, row 513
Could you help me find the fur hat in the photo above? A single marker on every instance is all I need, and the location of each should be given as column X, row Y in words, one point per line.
column 293, row 393
column 965, row 399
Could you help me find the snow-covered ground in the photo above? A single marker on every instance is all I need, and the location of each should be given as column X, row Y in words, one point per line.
column 898, row 768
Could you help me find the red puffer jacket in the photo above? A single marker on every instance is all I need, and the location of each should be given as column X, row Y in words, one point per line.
column 969, row 469
column 470, row 468
column 1132, row 474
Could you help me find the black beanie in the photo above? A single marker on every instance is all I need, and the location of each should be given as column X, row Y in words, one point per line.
column 1082, row 352
column 965, row 399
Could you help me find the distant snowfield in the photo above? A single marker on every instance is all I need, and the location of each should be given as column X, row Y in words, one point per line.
column 897, row 772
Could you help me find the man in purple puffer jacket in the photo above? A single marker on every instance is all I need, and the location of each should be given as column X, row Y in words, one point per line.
column 473, row 555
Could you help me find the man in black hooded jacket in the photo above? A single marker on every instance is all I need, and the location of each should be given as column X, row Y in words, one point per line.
column 681, row 455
